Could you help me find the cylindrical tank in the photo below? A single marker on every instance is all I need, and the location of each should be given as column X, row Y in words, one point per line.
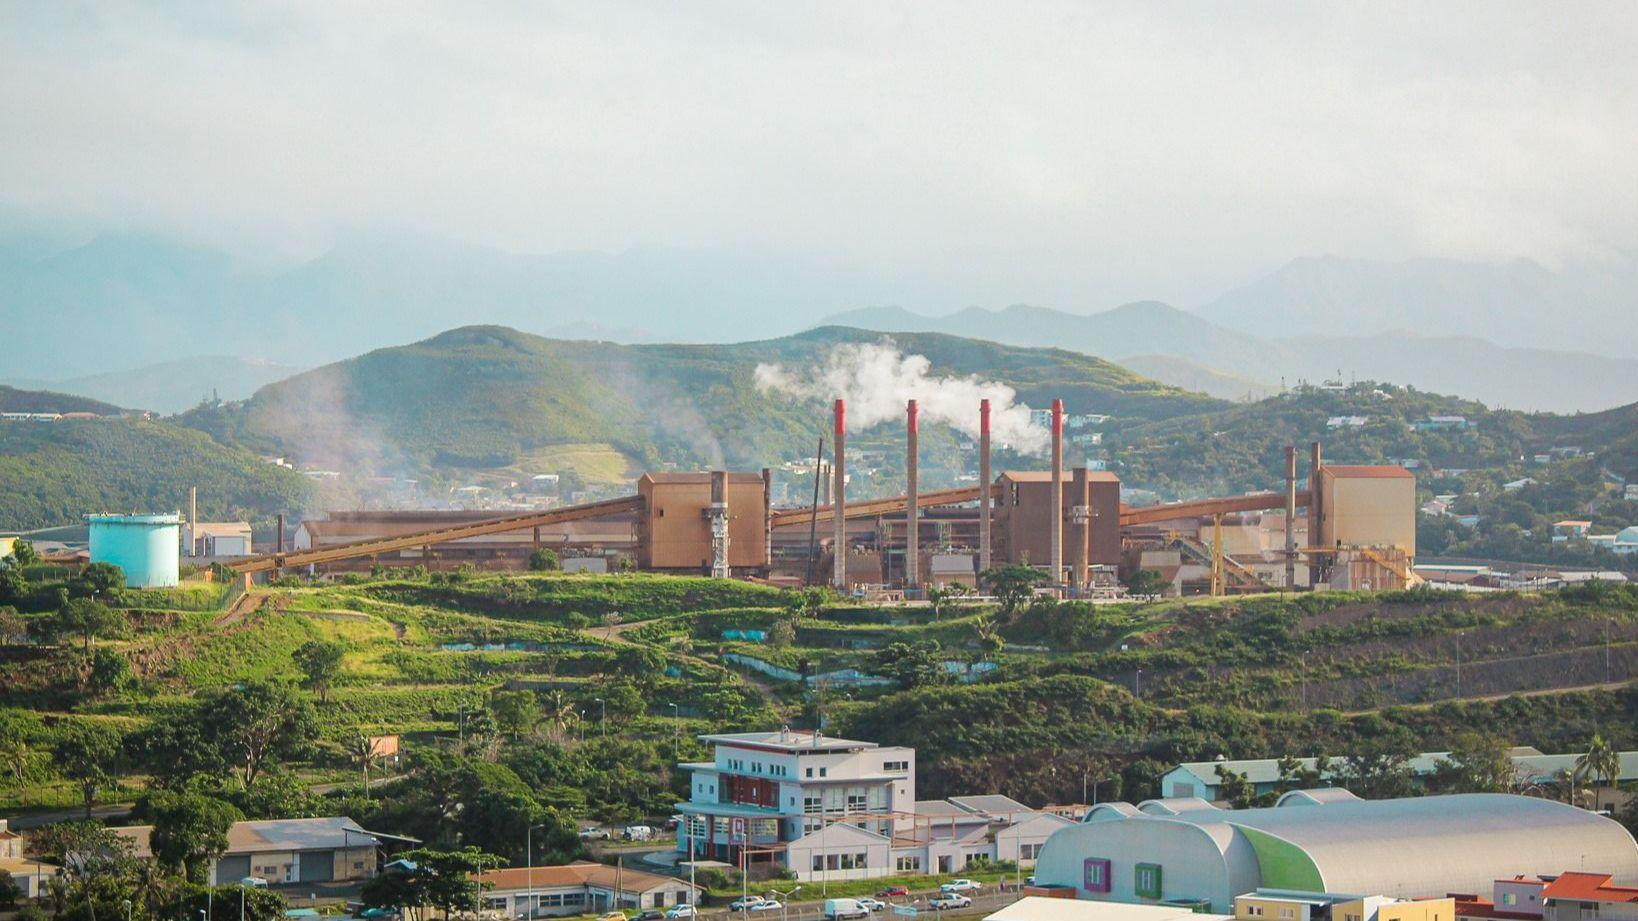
column 147, row 548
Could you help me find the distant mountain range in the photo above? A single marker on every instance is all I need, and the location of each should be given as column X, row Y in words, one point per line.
column 1516, row 334
column 172, row 386
column 1188, row 350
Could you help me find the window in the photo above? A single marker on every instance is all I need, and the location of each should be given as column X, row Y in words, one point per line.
column 855, row 804
column 1287, row 913
column 1097, row 875
column 895, row 767
column 1183, row 789
column 1146, row 880
column 1511, row 898
column 812, row 804
column 1256, row 911
column 911, row 864
column 810, row 772
column 823, row 771
column 818, row 862
column 1029, row 851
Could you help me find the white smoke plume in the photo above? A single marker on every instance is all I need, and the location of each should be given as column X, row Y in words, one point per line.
column 877, row 378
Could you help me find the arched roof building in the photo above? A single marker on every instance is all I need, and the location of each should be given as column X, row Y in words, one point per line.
column 1328, row 841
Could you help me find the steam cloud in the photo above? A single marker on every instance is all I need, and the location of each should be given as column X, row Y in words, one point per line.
column 877, row 378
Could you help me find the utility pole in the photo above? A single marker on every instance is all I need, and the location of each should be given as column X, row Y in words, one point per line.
column 1458, row 664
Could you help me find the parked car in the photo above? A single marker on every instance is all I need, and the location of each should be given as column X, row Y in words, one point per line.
column 650, row 914
column 893, row 892
column 960, row 885
column 638, row 832
column 612, row 916
column 946, row 901
column 746, row 903
column 681, row 911
column 872, row 905
column 594, row 834
column 841, row 909
column 768, row 905
column 672, row 823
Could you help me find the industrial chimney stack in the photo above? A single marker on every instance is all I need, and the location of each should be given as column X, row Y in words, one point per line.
column 983, row 485
column 1057, row 515
column 1316, row 513
column 912, row 514
column 839, row 506
column 1291, row 517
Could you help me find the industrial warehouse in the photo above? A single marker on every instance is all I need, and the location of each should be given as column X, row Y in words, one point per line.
column 1348, row 527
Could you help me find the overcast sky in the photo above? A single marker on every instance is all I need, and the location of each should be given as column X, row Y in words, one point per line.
column 1078, row 155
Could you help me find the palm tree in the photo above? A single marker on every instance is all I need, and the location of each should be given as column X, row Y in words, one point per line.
column 558, row 709
column 364, row 752
column 1601, row 762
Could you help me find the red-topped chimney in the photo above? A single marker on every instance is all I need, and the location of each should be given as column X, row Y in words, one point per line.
column 1057, row 506
column 912, row 514
column 839, row 498
column 983, row 485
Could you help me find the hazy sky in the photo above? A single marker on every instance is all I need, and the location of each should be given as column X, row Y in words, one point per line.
column 1075, row 154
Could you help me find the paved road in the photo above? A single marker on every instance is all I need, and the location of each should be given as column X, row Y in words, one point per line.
column 987, row 900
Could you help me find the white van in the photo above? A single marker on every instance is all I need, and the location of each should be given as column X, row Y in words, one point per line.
column 639, row 832
column 839, row 909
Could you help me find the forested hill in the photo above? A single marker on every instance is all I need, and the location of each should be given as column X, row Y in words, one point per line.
column 484, row 396
column 54, row 473
column 13, row 400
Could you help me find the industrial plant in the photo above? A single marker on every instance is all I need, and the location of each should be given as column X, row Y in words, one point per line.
column 1345, row 527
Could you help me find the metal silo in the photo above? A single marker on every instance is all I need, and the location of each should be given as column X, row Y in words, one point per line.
column 146, row 547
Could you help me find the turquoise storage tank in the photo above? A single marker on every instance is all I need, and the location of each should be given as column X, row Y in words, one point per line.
column 147, row 548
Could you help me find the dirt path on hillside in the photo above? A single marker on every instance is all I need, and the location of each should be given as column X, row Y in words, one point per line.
column 1483, row 698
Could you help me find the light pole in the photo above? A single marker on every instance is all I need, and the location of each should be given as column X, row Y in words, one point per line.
column 529, row 861
column 582, row 722
column 676, row 720
column 127, row 904
column 602, row 717
column 1458, row 664
column 1137, row 684
column 785, row 901
column 241, row 901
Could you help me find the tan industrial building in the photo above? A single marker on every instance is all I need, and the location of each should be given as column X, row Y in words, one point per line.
column 675, row 526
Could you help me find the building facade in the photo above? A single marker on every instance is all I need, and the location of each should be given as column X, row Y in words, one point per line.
column 283, row 851
column 579, row 888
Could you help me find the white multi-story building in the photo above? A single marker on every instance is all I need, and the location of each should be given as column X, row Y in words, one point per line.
column 835, row 808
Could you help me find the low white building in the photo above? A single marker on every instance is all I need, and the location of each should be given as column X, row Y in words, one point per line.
column 578, row 888
column 30, row 875
column 283, row 850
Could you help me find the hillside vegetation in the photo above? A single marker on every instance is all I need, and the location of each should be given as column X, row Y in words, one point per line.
column 482, row 396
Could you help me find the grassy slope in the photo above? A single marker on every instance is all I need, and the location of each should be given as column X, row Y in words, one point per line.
column 13, row 400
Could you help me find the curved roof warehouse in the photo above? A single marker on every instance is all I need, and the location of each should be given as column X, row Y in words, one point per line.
column 1328, row 841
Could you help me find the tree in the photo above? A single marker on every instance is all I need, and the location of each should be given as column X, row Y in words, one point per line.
column 783, row 633
column 1601, row 762
column 255, row 724
column 366, row 753
column 15, row 757
column 87, row 619
column 446, row 880
column 190, row 831
column 320, row 663
column 12, row 625
column 912, row 666
column 24, row 554
column 544, row 559
column 517, row 711
column 106, row 671
column 1233, row 788
column 10, row 892
column 86, row 753
column 1012, row 585
column 1379, row 768
column 1477, row 763
column 559, row 709
column 13, row 585
column 937, row 595
column 1147, row 583
column 990, row 640
column 103, row 579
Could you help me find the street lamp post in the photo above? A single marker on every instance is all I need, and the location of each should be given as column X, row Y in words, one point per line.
column 602, row 717
column 582, row 726
column 676, row 728
column 241, row 901
column 127, row 904
column 785, row 901
column 1458, row 664
column 529, row 860
column 1137, row 684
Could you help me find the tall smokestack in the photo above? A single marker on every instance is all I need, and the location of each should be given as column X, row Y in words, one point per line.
column 767, row 515
column 1316, row 513
column 1081, row 513
column 193, row 521
column 1057, row 516
column 717, row 514
column 839, row 506
column 824, row 481
column 1291, row 517
column 912, row 515
column 983, row 485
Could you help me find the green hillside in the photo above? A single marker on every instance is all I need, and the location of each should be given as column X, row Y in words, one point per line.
column 13, row 400
column 53, row 474
column 481, row 397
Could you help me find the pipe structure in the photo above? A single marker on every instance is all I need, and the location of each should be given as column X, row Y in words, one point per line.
column 813, row 522
column 840, row 496
column 1290, row 517
column 984, row 485
column 912, row 515
column 1081, row 514
column 1316, row 513
column 767, row 514
column 717, row 514
column 1057, row 506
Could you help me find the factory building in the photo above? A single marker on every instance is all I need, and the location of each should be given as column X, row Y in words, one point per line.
column 147, row 548
column 1023, row 516
column 1326, row 841
column 675, row 526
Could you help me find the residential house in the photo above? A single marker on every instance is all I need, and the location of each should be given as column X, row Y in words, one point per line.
column 1346, row 422
column 579, row 888
column 1267, row 904
column 1518, row 484
column 1569, row 529
column 1588, row 897
column 283, row 851
column 1442, row 423
column 29, row 874
column 1626, row 540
